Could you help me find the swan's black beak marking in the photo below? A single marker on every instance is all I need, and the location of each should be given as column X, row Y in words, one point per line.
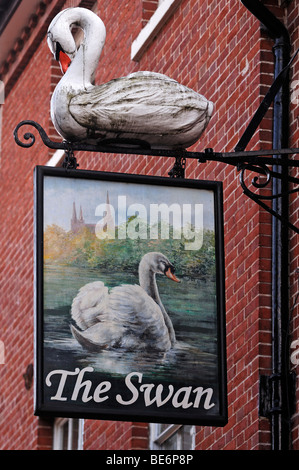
column 58, row 50
column 62, row 58
column 169, row 272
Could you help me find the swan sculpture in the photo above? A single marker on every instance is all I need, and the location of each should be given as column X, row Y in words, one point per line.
column 129, row 317
column 146, row 106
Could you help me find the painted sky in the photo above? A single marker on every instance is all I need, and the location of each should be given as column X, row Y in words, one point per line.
column 61, row 193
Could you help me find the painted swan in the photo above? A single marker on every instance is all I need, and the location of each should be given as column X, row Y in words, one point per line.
column 144, row 105
column 129, row 317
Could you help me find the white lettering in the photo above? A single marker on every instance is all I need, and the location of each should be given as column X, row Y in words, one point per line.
column 131, row 387
column 199, row 393
column 197, row 233
column 105, row 228
column 137, row 227
column 101, row 388
column 164, row 210
column 64, row 374
column 150, row 393
column 121, row 460
column 86, row 386
column 184, row 403
column 295, row 354
column 163, row 221
column 146, row 388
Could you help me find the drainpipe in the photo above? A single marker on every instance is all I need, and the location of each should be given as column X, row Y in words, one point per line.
column 280, row 411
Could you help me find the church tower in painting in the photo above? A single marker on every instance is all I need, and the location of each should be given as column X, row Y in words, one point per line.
column 77, row 223
column 106, row 224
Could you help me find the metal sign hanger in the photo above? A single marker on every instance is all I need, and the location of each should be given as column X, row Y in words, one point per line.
column 258, row 161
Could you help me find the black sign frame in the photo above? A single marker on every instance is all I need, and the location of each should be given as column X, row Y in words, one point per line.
column 81, row 391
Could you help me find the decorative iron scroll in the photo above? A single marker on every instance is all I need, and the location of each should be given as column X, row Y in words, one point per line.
column 258, row 161
column 31, row 137
column 257, row 183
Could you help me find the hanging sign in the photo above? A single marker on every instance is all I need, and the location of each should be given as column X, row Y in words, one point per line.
column 130, row 321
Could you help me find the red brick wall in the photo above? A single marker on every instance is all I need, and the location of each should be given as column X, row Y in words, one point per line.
column 103, row 435
column 292, row 24
column 217, row 49
column 148, row 8
column 26, row 100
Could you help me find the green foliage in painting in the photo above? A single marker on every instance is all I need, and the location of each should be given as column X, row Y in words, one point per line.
column 85, row 249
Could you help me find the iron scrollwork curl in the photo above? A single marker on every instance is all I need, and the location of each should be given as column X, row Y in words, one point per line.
column 29, row 136
column 258, row 161
column 267, row 173
column 70, row 161
column 263, row 170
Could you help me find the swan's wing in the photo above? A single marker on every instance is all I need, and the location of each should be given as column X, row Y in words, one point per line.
column 100, row 336
column 142, row 319
column 127, row 318
column 89, row 303
column 141, row 103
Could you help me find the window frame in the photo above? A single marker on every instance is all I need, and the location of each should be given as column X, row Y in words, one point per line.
column 58, row 433
column 163, row 12
column 158, row 438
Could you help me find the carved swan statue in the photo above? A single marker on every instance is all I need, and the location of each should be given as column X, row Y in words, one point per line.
column 129, row 317
column 146, row 106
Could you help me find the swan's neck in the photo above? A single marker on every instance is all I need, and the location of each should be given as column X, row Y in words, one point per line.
column 81, row 72
column 147, row 280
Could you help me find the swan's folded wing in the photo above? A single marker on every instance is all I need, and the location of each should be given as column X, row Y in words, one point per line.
column 89, row 303
column 100, row 336
column 132, row 307
column 143, row 103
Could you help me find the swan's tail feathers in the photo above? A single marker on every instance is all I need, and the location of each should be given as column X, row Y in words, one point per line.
column 86, row 342
column 89, row 304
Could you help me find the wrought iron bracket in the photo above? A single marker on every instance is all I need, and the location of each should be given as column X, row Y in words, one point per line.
column 70, row 161
column 269, row 400
column 178, row 170
column 264, row 106
column 260, row 162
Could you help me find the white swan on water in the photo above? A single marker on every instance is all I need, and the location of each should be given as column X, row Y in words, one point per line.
column 130, row 317
column 146, row 106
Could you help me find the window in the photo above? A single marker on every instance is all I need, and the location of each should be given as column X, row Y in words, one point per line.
column 172, row 437
column 68, row 434
column 164, row 10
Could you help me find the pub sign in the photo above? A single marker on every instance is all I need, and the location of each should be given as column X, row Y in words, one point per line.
column 129, row 308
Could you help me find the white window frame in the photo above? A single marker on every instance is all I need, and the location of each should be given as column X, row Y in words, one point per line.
column 56, row 159
column 58, row 433
column 158, row 438
column 164, row 10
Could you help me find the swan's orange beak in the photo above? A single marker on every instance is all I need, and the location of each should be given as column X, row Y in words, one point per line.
column 64, row 61
column 171, row 275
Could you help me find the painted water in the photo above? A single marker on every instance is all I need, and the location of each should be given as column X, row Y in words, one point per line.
column 191, row 306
